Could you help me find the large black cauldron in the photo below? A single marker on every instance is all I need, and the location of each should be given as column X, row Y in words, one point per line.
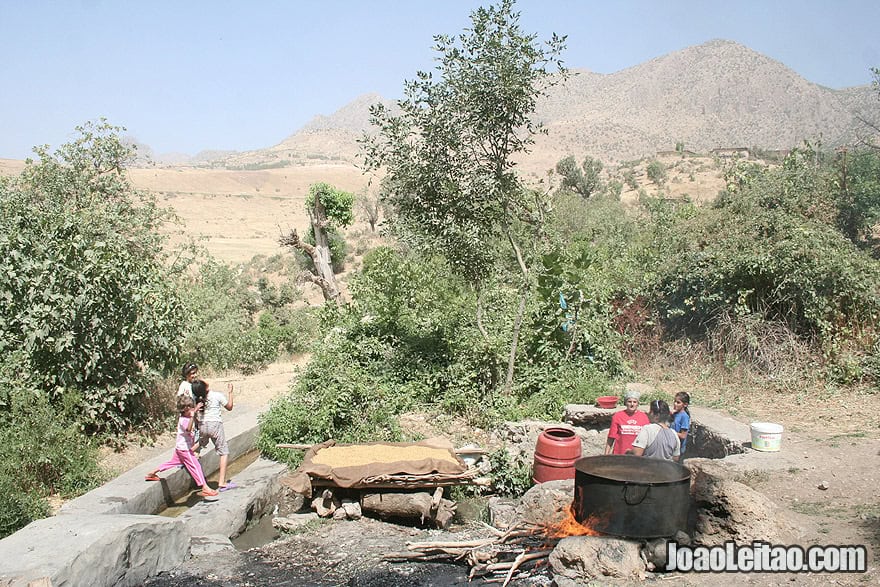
column 631, row 496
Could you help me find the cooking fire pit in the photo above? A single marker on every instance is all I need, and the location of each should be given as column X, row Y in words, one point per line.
column 631, row 496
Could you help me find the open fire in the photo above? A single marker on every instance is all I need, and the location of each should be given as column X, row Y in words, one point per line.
column 508, row 555
column 569, row 526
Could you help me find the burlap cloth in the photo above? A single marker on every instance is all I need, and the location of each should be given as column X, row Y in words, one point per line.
column 380, row 460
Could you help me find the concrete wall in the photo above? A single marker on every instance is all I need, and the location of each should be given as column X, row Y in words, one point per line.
column 110, row 536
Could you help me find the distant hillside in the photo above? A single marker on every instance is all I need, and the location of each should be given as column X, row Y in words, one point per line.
column 718, row 94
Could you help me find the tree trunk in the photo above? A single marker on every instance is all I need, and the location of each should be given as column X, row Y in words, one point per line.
column 420, row 505
column 323, row 264
column 480, row 326
column 517, row 324
column 319, row 253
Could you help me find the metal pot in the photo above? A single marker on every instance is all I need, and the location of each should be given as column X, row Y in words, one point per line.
column 631, row 496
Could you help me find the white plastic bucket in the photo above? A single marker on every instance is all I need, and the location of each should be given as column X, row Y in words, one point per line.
column 766, row 436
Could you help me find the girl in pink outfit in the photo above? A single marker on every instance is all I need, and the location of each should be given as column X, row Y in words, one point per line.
column 183, row 453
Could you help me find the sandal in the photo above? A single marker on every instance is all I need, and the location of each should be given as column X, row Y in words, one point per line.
column 229, row 485
column 152, row 478
column 208, row 493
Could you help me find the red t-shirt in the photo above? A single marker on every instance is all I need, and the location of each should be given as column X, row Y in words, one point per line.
column 625, row 428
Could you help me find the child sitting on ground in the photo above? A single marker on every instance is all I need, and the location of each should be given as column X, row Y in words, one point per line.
column 183, row 450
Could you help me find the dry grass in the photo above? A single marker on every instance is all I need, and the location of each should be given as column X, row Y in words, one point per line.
column 805, row 403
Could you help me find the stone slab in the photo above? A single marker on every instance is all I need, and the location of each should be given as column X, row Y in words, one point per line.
column 93, row 550
column 109, row 536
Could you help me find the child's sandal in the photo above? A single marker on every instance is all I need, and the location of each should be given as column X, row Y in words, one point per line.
column 151, row 478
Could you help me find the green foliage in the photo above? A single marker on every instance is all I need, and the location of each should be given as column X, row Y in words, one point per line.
column 575, row 318
column 656, row 172
column 19, row 508
column 338, row 204
column 236, row 324
column 545, row 387
column 84, row 285
column 770, row 249
column 348, row 402
column 509, row 477
column 629, row 178
column 583, row 180
column 448, row 153
column 42, row 451
column 405, row 342
column 859, row 195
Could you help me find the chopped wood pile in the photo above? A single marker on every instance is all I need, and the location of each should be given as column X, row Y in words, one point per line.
column 501, row 558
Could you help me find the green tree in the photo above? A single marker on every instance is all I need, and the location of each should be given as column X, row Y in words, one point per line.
column 449, row 153
column 656, row 172
column 86, row 290
column 583, row 180
column 328, row 208
column 859, row 195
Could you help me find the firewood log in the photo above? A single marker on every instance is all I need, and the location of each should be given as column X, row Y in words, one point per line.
column 416, row 505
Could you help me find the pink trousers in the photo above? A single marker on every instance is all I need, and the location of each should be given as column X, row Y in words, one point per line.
column 188, row 460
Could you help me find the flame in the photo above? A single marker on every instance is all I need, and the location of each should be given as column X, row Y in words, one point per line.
column 569, row 526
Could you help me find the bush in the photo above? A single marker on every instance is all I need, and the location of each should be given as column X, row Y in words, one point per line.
column 770, row 247
column 85, row 287
column 509, row 478
column 18, row 507
column 42, row 451
column 343, row 400
column 656, row 172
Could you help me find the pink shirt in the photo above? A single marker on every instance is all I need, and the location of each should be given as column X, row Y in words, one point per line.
column 625, row 428
column 185, row 440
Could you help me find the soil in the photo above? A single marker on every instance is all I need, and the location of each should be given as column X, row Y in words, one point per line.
column 824, row 481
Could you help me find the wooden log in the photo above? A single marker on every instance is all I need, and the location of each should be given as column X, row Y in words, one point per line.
column 418, row 505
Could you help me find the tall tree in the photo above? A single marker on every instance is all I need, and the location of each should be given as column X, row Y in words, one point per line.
column 87, row 300
column 328, row 208
column 449, row 152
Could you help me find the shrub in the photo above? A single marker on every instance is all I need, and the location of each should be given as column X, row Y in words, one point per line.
column 344, row 400
column 509, row 477
column 85, row 287
column 656, row 172
column 42, row 451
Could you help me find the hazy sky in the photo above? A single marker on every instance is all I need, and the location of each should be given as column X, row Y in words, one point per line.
column 188, row 75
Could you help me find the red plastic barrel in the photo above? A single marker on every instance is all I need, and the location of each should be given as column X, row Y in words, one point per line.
column 555, row 454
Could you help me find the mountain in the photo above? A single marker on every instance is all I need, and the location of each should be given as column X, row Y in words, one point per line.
column 718, row 94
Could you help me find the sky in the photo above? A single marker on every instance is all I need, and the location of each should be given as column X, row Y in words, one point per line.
column 184, row 76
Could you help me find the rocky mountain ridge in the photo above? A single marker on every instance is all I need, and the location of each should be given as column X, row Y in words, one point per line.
column 718, row 94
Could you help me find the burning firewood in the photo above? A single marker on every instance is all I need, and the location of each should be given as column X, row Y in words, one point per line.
column 502, row 557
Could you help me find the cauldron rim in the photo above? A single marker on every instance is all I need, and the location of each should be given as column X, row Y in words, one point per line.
column 670, row 471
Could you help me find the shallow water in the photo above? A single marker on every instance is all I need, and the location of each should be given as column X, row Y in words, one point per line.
column 191, row 498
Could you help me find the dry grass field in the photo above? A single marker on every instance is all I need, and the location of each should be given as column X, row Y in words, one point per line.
column 238, row 214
